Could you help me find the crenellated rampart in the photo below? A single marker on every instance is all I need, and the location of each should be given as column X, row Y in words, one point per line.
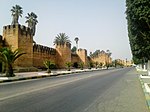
column 43, row 49
column 42, row 53
column 20, row 37
column 82, row 53
column 23, row 30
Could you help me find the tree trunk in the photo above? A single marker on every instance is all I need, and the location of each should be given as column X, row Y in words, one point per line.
column 148, row 67
column 48, row 70
column 69, row 69
column 9, row 72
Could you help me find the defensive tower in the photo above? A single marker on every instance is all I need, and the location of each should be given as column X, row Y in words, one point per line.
column 63, row 54
column 82, row 53
column 20, row 37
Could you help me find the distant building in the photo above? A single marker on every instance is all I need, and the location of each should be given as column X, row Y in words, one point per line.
column 125, row 63
column 101, row 57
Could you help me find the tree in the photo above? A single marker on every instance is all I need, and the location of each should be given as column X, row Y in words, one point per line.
column 100, row 65
column 96, row 64
column 73, row 49
column 107, row 61
column 61, row 39
column 114, row 63
column 48, row 64
column 76, row 40
column 68, row 65
column 75, row 64
column 108, row 53
column 107, row 65
column 81, row 64
column 8, row 57
column 138, row 17
column 95, row 54
column 16, row 13
column 90, row 65
column 32, row 21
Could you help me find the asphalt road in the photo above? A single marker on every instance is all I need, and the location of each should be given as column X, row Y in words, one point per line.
column 98, row 91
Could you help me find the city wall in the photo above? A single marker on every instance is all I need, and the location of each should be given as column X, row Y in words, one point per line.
column 102, row 58
column 41, row 54
column 20, row 37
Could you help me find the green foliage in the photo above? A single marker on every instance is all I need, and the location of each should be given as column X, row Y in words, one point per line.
column 16, row 13
column 32, row 21
column 81, row 64
column 48, row 64
column 68, row 65
column 107, row 65
column 96, row 53
column 96, row 64
column 8, row 57
column 61, row 39
column 90, row 65
column 115, row 64
column 138, row 16
column 73, row 49
column 76, row 65
column 137, row 60
column 100, row 65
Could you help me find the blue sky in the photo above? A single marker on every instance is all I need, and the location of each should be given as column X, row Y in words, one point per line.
column 99, row 24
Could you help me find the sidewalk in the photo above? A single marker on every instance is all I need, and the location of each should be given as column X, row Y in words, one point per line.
column 145, row 81
column 125, row 95
column 42, row 74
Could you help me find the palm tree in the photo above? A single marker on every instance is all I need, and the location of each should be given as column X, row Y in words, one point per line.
column 109, row 53
column 8, row 57
column 16, row 12
column 81, row 64
column 68, row 65
column 32, row 21
column 96, row 64
column 90, row 65
column 100, row 65
column 107, row 65
column 61, row 39
column 76, row 40
column 48, row 64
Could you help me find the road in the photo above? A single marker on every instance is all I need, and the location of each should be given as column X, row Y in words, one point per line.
column 116, row 90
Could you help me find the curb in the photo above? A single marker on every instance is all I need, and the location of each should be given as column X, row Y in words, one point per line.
column 147, row 95
column 44, row 76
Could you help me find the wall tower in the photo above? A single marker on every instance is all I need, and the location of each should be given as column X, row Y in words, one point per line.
column 63, row 54
column 82, row 53
column 20, row 37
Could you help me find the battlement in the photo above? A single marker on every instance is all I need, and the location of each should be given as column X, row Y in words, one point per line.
column 82, row 50
column 63, row 45
column 21, row 28
column 98, row 53
column 43, row 49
